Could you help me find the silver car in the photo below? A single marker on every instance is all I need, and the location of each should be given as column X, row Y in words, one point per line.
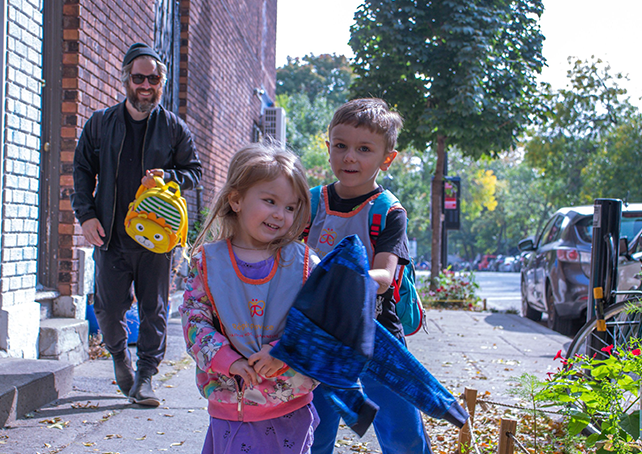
column 557, row 265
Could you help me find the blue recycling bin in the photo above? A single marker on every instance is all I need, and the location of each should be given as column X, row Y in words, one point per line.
column 133, row 323
column 131, row 317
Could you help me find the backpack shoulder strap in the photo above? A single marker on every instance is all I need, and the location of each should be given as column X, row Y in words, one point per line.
column 315, row 197
column 377, row 217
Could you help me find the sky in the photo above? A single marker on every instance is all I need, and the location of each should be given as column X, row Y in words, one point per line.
column 608, row 30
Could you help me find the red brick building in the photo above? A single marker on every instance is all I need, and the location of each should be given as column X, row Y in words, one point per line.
column 63, row 59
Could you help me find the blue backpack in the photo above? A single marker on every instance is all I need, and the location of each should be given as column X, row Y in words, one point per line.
column 407, row 302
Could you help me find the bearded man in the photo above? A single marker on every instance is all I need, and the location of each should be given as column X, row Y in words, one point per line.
column 121, row 147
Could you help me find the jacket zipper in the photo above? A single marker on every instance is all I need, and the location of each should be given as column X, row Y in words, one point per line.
column 113, row 210
column 239, row 396
column 142, row 162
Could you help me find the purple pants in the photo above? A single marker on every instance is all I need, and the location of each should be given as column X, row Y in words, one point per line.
column 288, row 434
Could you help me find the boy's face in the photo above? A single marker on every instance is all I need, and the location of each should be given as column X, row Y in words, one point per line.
column 356, row 157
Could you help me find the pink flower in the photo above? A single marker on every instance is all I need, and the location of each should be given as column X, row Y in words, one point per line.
column 608, row 349
column 559, row 355
column 636, row 352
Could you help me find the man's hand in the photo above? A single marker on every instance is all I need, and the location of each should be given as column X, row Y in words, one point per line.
column 244, row 370
column 263, row 363
column 148, row 179
column 93, row 231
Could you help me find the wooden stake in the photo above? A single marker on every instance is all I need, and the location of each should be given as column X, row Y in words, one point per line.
column 464, row 443
column 506, row 445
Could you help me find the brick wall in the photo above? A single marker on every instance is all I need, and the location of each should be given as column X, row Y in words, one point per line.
column 230, row 52
column 227, row 50
column 96, row 35
column 22, row 151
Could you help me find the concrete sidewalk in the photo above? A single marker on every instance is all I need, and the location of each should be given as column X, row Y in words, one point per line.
column 478, row 350
column 463, row 349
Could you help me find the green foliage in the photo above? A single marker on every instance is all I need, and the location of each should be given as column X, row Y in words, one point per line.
column 409, row 179
column 502, row 203
column 543, row 435
column 569, row 145
column 609, row 174
column 603, row 391
column 306, row 121
column 310, row 90
column 452, row 290
column 456, row 69
column 323, row 76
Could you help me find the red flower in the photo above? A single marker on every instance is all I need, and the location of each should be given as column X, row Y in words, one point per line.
column 636, row 352
column 559, row 355
column 608, row 349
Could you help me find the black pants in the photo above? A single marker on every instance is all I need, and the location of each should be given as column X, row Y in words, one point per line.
column 116, row 270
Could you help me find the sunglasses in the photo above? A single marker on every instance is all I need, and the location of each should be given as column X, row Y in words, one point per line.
column 140, row 78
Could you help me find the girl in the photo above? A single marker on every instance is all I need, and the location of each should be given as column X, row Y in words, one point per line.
column 239, row 290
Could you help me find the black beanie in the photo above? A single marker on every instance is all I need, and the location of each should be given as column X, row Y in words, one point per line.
column 138, row 50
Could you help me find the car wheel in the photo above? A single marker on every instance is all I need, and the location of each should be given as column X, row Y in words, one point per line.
column 562, row 325
column 528, row 311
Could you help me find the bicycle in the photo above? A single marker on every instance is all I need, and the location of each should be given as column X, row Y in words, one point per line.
column 621, row 326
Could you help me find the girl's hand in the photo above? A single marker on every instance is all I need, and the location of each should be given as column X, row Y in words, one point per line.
column 241, row 368
column 264, row 364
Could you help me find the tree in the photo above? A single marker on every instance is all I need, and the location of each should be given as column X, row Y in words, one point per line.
column 460, row 72
column 310, row 90
column 574, row 130
column 324, row 76
column 611, row 172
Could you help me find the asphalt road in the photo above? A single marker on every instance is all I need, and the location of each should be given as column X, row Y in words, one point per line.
column 501, row 290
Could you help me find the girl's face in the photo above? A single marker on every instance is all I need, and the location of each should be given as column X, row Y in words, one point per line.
column 265, row 213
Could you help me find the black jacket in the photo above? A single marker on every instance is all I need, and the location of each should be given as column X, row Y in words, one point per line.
column 168, row 145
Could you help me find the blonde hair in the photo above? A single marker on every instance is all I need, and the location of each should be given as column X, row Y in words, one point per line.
column 253, row 164
column 374, row 114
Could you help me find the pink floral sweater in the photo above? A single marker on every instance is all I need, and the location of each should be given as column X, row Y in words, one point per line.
column 227, row 398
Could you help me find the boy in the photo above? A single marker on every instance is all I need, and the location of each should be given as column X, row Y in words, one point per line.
column 363, row 134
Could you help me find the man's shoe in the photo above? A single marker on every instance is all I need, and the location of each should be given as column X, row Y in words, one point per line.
column 123, row 371
column 142, row 392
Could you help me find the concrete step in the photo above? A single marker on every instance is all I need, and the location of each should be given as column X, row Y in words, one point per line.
column 28, row 384
column 65, row 339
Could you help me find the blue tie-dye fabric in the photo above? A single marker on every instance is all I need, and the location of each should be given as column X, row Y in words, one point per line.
column 331, row 336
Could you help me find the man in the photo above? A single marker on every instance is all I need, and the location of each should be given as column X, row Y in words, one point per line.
column 120, row 148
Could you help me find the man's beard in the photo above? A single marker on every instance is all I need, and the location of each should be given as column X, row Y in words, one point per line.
column 144, row 106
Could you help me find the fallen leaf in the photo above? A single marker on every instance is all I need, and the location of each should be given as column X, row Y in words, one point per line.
column 179, row 443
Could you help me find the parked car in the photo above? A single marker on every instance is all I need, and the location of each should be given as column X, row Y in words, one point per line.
column 630, row 266
column 510, row 264
column 485, row 262
column 557, row 264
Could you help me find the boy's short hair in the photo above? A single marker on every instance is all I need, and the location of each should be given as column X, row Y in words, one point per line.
column 374, row 114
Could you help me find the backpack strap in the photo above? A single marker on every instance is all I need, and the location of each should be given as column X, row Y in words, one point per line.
column 315, row 197
column 379, row 212
column 380, row 209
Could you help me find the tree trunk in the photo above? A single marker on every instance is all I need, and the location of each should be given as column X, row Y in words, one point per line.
column 437, row 221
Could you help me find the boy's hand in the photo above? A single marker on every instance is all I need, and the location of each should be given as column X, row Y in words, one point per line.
column 263, row 363
column 148, row 179
column 383, row 270
column 241, row 368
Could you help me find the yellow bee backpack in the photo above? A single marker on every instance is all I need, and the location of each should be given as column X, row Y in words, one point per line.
column 157, row 218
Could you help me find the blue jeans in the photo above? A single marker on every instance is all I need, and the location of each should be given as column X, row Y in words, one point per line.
column 398, row 424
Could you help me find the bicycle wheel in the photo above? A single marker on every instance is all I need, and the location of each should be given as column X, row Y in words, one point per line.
column 620, row 328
